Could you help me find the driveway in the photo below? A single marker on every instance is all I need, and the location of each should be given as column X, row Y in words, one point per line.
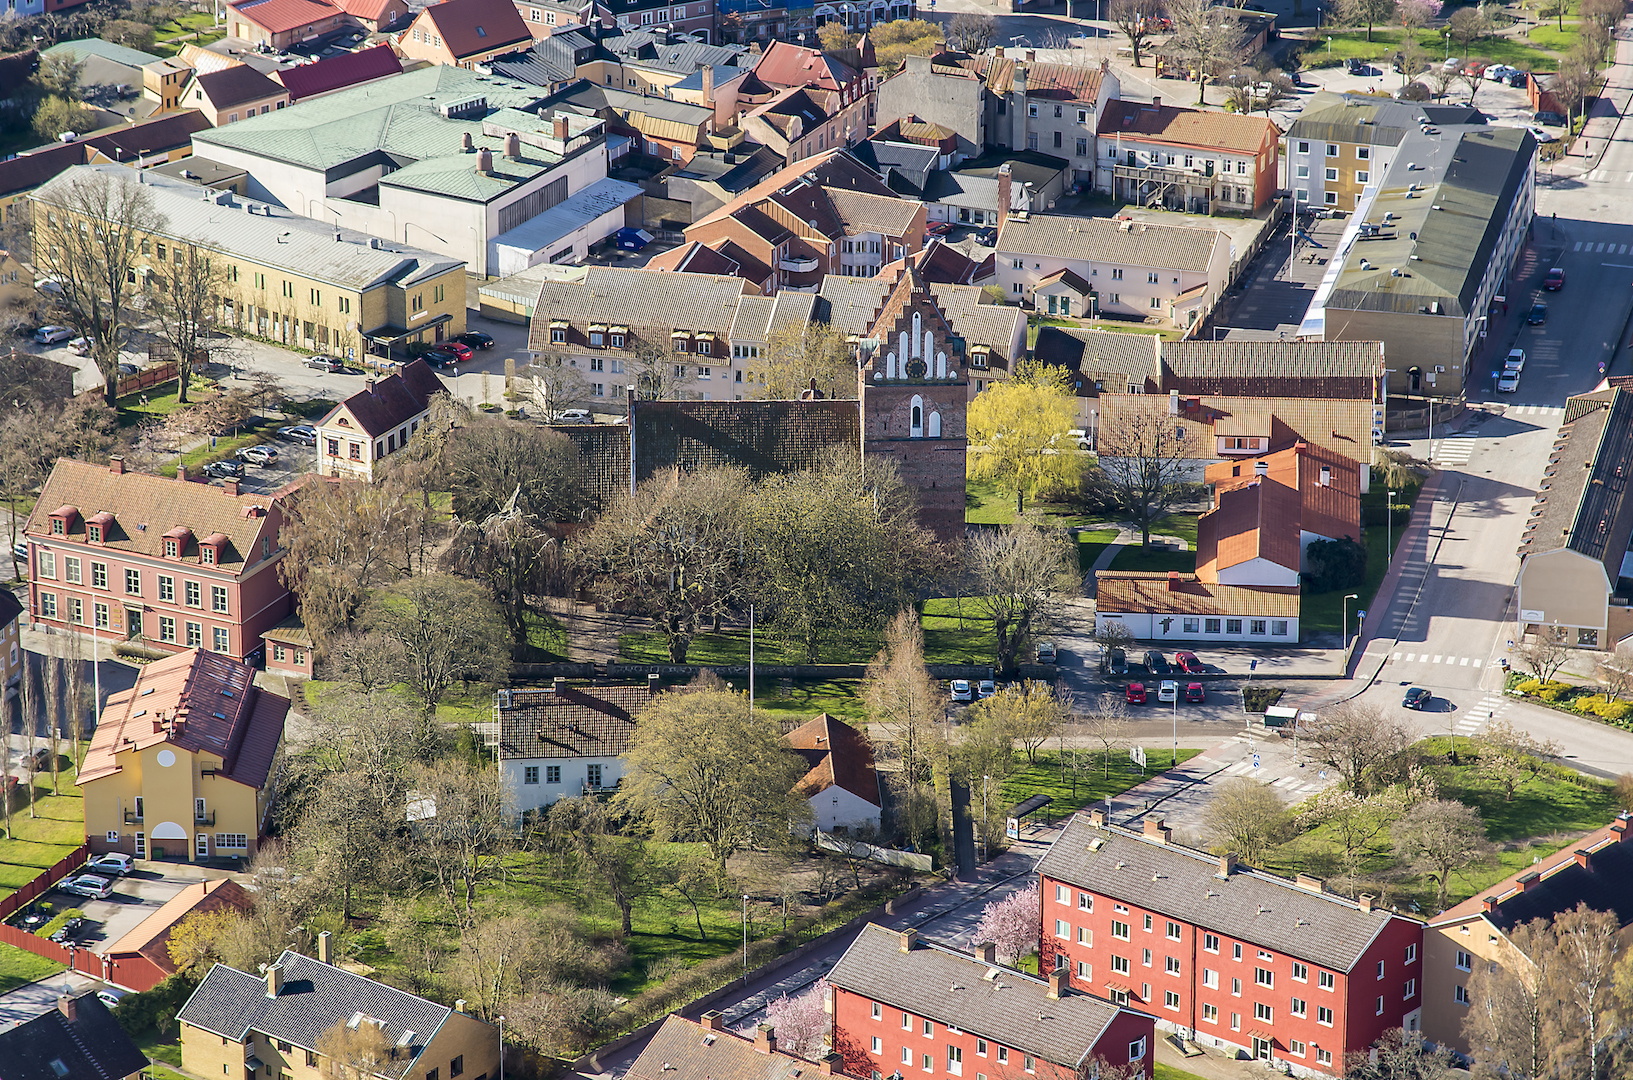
column 134, row 898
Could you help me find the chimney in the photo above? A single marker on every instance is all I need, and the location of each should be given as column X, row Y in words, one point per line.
column 1619, row 829
column 1227, row 866
column 116, row 465
column 765, row 1039
column 708, row 85
column 1060, row 982
column 1031, row 56
column 465, row 143
column 1365, row 900
column 909, row 938
column 459, row 1005
column 274, row 980
column 1488, row 904
column 230, row 485
column 712, row 1020
column 181, row 473
column 558, row 684
column 513, row 146
column 1173, row 581
column 1261, row 468
column 1005, row 182
column 1156, row 830
column 325, row 954
column 1156, row 102
column 559, row 128
column 68, row 1007
column 1310, row 882
column 652, row 682
column 1173, row 403
column 831, row 1065
column 1097, row 817
column 988, row 952
column 1526, row 881
column 998, row 52
column 484, row 162
column 1581, row 856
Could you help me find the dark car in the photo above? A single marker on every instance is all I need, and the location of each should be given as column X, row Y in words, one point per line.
column 1134, row 693
column 439, row 359
column 452, row 345
column 1356, row 66
column 476, row 339
column 1155, row 663
column 1117, row 662
column 987, row 237
column 1554, row 280
column 38, row 761
column 1195, row 693
column 1551, row 118
column 1537, row 315
column 224, row 470
column 325, row 363
column 1417, row 698
column 1188, row 663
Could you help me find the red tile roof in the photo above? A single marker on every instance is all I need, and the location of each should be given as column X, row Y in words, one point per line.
column 367, row 10
column 1068, row 82
column 281, row 16
column 392, row 401
column 1130, row 592
column 1187, row 127
column 196, row 701
column 337, row 72
column 470, row 27
column 792, row 65
column 1331, row 509
column 839, row 756
column 151, row 937
column 1256, row 521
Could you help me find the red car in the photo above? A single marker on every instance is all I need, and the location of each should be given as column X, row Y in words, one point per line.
column 1188, row 663
column 458, row 349
column 1134, row 693
column 1555, row 280
column 1194, row 692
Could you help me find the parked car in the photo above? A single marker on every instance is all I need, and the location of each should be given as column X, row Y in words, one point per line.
column 1117, row 662
column 1515, row 361
column 1537, row 315
column 129, row 369
column 1554, row 280
column 1134, row 693
column 52, row 335
column 1475, row 67
column 258, row 455
column 1417, row 698
column 301, row 433
column 1508, row 382
column 438, row 358
column 476, row 339
column 224, row 470
column 985, row 689
column 575, row 416
column 1194, row 692
column 73, row 925
column 109, row 996
column 20, row 549
column 1543, row 136
column 1520, row 79
column 325, row 363
column 1168, row 692
column 987, row 237
column 1046, row 652
column 116, row 863
column 1188, row 663
column 457, row 347
column 80, row 346
column 1356, row 66
column 37, row 760
column 938, row 228
column 961, row 691
column 1552, row 119
column 1155, row 663
column 1498, row 73
column 1452, row 63
column 90, row 885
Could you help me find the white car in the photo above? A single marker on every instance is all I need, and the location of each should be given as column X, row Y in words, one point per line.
column 961, row 690
column 51, row 335
column 1168, row 691
column 1508, row 382
column 1498, row 72
column 1515, row 361
column 258, row 455
column 575, row 416
column 116, row 863
column 90, row 885
column 80, row 346
column 109, row 996
column 986, row 688
column 1543, row 136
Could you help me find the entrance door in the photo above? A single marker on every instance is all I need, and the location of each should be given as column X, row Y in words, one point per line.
column 141, row 843
column 1262, row 1048
column 203, row 845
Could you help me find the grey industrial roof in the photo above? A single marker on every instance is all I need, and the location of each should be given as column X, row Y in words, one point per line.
column 640, row 299
column 1373, row 121
column 401, row 117
column 758, row 317
column 592, row 96
column 1170, row 247
column 107, row 50
column 574, row 212
column 1436, row 247
column 315, row 997
column 1584, row 502
column 962, row 990
column 270, row 236
column 1249, row 905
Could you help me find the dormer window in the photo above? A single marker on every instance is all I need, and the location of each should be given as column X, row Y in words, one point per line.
column 93, row 534
column 58, row 526
column 63, row 520
column 98, row 528
column 206, row 554
column 176, row 541
column 172, row 548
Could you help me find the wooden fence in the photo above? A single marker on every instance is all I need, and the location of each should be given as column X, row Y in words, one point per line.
column 81, row 959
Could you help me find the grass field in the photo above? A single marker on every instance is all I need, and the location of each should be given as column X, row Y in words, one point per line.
column 1090, row 543
column 38, row 842
column 464, row 704
column 133, row 410
column 1386, row 42
column 1320, row 613
column 1076, row 790
column 1168, row 1072
column 1162, row 560
column 19, row 967
column 804, row 698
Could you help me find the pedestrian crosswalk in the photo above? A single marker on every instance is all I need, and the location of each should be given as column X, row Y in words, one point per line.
column 1453, row 450
column 1474, row 720
column 1588, row 247
column 1551, row 412
column 1291, row 788
column 1435, row 658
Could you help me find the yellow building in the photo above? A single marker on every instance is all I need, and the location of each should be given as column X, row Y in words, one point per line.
column 283, row 277
column 242, row 1025
column 181, row 764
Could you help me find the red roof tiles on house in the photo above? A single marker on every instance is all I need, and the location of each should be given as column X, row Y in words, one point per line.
column 1256, row 521
column 839, row 756
column 338, row 72
column 393, row 401
column 473, row 27
column 281, row 16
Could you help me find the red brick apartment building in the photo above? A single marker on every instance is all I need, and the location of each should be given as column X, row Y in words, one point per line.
column 172, row 564
column 1228, row 956
column 911, row 1008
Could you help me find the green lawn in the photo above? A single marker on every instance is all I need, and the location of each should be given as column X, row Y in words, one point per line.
column 955, row 632
column 461, row 705
column 803, row 698
column 1549, row 36
column 1168, row 1072
column 1076, row 790
column 1090, row 543
column 40, row 841
column 1320, row 613
column 19, row 967
column 1162, row 560
column 1386, row 41
column 160, row 402
column 985, row 503
column 162, row 1054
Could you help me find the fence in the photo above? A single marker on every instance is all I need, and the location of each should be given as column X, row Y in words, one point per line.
column 80, row 959
column 43, row 883
column 863, row 850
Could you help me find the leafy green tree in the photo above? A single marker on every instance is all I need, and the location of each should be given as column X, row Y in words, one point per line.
column 59, row 115
column 1017, row 432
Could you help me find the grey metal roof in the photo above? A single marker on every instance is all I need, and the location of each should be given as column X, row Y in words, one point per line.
column 1169, row 247
column 270, row 236
column 1249, row 905
column 1584, row 502
column 1373, row 121
column 315, row 997
column 958, row 988
column 81, row 48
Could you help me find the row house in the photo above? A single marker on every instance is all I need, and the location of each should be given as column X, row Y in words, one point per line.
column 1342, row 143
column 695, row 17
column 900, row 1005
column 705, row 1049
column 713, row 327
column 171, row 564
column 1228, row 956
column 377, row 421
column 1194, row 160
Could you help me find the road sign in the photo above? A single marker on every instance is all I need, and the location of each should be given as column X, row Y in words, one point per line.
column 1361, row 615
column 1253, row 665
column 1255, row 761
column 1136, row 754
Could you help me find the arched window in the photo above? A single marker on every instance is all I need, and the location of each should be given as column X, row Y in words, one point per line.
column 935, row 425
column 915, row 422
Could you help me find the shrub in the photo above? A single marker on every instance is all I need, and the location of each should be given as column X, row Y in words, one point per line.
column 155, row 1009
column 57, row 923
column 1602, row 707
column 1335, row 564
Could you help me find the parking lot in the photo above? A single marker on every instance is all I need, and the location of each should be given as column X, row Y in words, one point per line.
column 294, row 460
column 134, row 898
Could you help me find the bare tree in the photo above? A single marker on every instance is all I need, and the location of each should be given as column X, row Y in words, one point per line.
column 1144, row 471
column 1589, row 945
column 1509, row 756
column 1508, row 1022
column 1246, row 819
column 1207, row 40
column 1020, row 574
column 1468, row 25
column 1358, row 824
column 1360, row 741
column 1441, row 836
column 654, row 370
column 1108, row 726
column 465, row 830
column 355, row 1052
column 798, row 354
column 972, row 32
column 1137, row 19
column 185, row 299
column 1367, row 13
column 1544, row 652
column 90, row 228
column 1400, row 1055
column 900, row 694
column 557, row 384
column 448, row 631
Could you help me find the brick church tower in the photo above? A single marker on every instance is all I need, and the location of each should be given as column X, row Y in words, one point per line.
column 914, row 389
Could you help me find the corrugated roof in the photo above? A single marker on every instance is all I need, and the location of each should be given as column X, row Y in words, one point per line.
column 1373, row 121
column 272, row 236
column 1187, row 127
column 107, row 50
column 198, row 701
column 574, row 212
column 1249, row 905
column 963, row 991
column 838, row 756
column 1128, row 592
column 1132, row 243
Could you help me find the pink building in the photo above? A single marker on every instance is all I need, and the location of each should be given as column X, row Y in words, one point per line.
column 171, row 564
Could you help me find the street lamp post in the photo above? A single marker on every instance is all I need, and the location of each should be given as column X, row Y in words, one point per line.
column 501, row 1048
column 1389, row 529
column 745, row 935
column 1347, row 598
column 1174, row 764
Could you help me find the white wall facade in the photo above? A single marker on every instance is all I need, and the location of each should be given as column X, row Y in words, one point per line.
column 1246, row 629
column 1260, row 571
column 838, row 808
column 1124, row 289
column 569, row 783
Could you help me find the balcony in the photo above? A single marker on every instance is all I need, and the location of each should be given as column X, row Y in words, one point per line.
column 207, row 818
column 132, row 818
column 797, row 266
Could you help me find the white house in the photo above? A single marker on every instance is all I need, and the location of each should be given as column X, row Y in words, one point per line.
column 566, row 741
column 841, row 786
column 1178, row 607
column 376, row 422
